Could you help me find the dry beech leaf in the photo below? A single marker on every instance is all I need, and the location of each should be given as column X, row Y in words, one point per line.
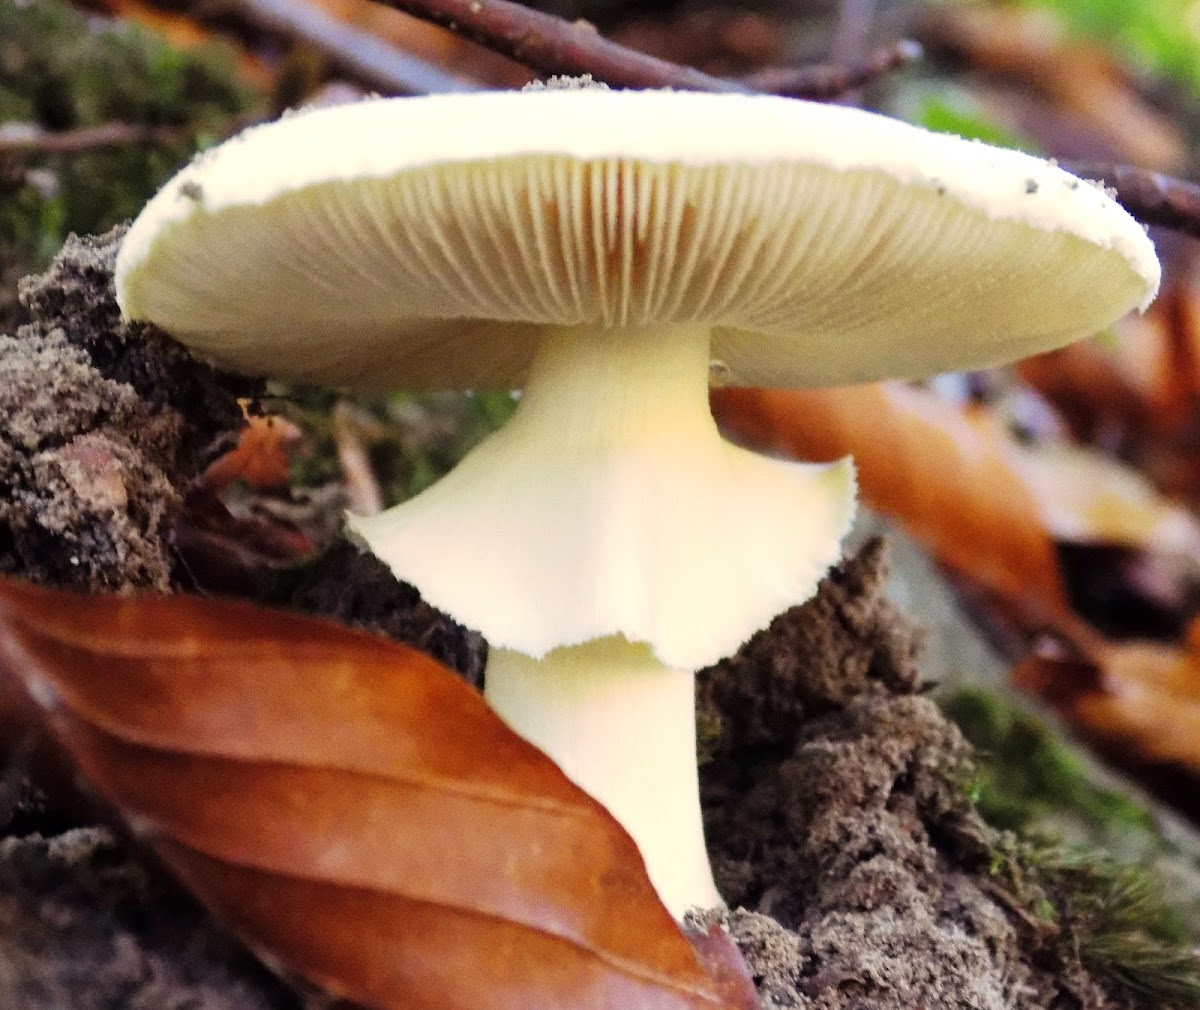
column 947, row 474
column 724, row 962
column 182, row 32
column 1129, row 556
column 262, row 457
column 1139, row 390
column 1168, row 341
column 1090, row 388
column 1139, row 699
column 350, row 807
column 236, row 554
column 1089, row 498
column 1140, row 382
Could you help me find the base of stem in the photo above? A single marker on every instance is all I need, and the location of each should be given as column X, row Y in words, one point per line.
column 622, row 727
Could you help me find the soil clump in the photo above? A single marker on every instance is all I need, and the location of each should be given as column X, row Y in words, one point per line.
column 105, row 422
column 857, row 871
column 83, row 926
column 108, row 423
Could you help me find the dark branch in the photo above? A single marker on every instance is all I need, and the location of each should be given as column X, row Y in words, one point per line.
column 825, row 81
column 549, row 45
column 1152, row 198
column 358, row 56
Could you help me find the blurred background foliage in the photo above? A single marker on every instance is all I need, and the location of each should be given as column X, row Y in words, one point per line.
column 1155, row 36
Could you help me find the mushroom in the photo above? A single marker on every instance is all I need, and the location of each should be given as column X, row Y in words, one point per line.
column 608, row 251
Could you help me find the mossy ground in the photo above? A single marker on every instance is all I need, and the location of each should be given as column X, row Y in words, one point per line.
column 61, row 70
column 1090, row 862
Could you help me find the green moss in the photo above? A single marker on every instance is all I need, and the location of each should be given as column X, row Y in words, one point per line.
column 1027, row 779
column 1110, row 917
column 952, row 110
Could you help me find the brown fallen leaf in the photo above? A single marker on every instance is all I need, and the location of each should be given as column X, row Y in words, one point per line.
column 1174, row 669
column 1086, row 497
column 1140, row 701
column 947, row 474
column 1137, row 392
column 1129, row 556
column 262, row 457
column 351, row 808
column 1141, row 380
column 724, row 962
column 1091, row 389
column 1049, row 527
column 1175, row 321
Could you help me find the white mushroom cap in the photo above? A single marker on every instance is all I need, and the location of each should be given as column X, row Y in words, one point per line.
column 411, row 242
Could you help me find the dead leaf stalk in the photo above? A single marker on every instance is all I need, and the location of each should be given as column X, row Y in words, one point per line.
column 362, row 487
column 359, row 56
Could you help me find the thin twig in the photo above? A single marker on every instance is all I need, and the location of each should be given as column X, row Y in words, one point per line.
column 362, row 486
column 357, row 55
column 549, row 45
column 26, row 138
column 1152, row 198
column 825, row 81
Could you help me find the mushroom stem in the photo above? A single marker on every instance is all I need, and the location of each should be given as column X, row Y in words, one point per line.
column 609, row 511
column 609, row 504
column 621, row 726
